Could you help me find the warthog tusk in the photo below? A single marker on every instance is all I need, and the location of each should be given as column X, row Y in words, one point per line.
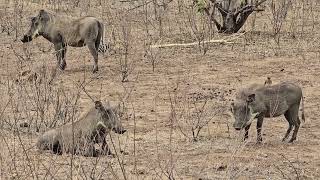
column 252, row 116
column 35, row 33
column 101, row 124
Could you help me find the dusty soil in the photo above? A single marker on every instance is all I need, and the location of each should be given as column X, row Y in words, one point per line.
column 159, row 105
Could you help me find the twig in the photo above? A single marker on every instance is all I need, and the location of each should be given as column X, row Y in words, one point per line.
column 84, row 90
column 291, row 165
column 140, row 5
column 221, row 41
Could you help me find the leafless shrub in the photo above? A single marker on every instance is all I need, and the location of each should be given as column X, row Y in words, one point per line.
column 150, row 54
column 166, row 165
column 124, row 49
column 200, row 27
column 6, row 22
column 303, row 18
column 18, row 12
column 287, row 168
column 279, row 11
column 10, row 21
column 191, row 112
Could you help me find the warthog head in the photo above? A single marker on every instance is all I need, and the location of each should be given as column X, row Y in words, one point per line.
column 38, row 26
column 110, row 118
column 243, row 112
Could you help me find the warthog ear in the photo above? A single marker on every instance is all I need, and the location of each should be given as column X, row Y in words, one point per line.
column 42, row 11
column 32, row 18
column 42, row 14
column 251, row 98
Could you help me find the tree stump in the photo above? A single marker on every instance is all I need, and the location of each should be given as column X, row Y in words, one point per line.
column 233, row 18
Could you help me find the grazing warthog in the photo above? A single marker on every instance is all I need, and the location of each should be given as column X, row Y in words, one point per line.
column 63, row 32
column 258, row 101
column 80, row 139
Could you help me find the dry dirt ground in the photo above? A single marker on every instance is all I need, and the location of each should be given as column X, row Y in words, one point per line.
column 160, row 107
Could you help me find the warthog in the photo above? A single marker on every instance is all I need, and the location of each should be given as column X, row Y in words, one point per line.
column 63, row 32
column 258, row 101
column 80, row 139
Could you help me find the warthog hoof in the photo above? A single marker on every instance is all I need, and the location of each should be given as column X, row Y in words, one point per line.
column 259, row 140
column 107, row 152
column 95, row 69
column 291, row 140
column 26, row 39
column 63, row 65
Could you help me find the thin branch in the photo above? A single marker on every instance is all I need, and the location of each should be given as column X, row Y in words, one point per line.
column 221, row 41
column 141, row 5
column 223, row 11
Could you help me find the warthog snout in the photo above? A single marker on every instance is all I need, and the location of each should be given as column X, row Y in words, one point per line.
column 236, row 127
column 26, row 38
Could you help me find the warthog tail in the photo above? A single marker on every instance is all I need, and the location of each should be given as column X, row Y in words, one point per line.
column 302, row 109
column 102, row 46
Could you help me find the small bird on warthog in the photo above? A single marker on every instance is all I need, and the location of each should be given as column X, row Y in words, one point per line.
column 63, row 31
column 268, row 82
column 81, row 137
column 258, row 101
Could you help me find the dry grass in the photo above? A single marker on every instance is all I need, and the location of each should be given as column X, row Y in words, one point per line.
column 165, row 93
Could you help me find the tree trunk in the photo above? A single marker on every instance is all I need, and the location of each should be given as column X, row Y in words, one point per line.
column 234, row 15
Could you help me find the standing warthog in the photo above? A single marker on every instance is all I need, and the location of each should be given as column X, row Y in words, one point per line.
column 80, row 139
column 259, row 101
column 63, row 32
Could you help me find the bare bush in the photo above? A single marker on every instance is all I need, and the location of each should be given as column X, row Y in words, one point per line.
column 6, row 22
column 201, row 28
column 279, row 11
column 126, row 37
column 149, row 53
column 11, row 21
column 191, row 112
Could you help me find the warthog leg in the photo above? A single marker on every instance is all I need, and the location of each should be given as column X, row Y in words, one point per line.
column 94, row 52
column 91, row 151
column 57, row 149
column 86, row 149
column 259, row 128
column 61, row 50
column 293, row 119
column 105, row 148
column 288, row 117
column 296, row 129
column 246, row 133
column 288, row 132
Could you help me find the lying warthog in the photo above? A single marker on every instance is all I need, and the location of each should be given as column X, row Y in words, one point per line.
column 63, row 32
column 268, row 101
column 90, row 129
